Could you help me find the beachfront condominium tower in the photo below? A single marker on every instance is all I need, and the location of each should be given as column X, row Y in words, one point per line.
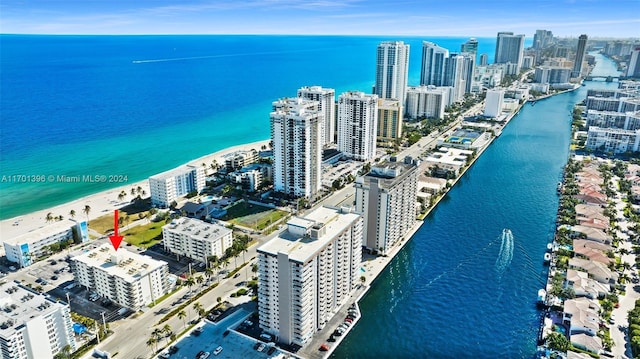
column 509, row 49
column 433, row 64
column 458, row 73
column 470, row 47
column 34, row 325
column 357, row 125
column 167, row 187
column 542, row 38
column 130, row 279
column 307, row 272
column 392, row 70
column 580, row 51
column 484, row 59
column 297, row 146
column 326, row 98
column 387, row 198
column 427, row 102
column 389, row 120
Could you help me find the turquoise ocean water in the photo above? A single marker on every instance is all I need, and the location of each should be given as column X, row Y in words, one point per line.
column 139, row 105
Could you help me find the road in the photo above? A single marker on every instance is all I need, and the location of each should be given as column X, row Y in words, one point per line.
column 130, row 336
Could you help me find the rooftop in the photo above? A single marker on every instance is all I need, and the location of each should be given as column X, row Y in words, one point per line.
column 389, row 173
column 42, row 232
column 122, row 263
column 178, row 171
column 197, row 229
column 299, row 243
column 19, row 305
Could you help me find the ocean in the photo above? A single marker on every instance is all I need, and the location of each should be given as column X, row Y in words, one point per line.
column 459, row 289
column 135, row 106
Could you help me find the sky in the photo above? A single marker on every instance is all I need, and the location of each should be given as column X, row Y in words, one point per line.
column 480, row 18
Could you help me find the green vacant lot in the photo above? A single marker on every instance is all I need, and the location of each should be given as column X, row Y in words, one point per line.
column 253, row 215
column 144, row 236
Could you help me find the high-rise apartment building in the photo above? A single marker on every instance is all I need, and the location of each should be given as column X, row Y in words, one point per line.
column 426, row 102
column 297, row 146
column 32, row 324
column 389, row 120
column 613, row 140
column 392, row 70
column 470, row 47
column 129, row 279
column 326, row 98
column 168, row 186
column 196, row 239
column 633, row 70
column 580, row 51
column 509, row 49
column 484, row 60
column 458, row 74
column 493, row 103
column 387, row 198
column 307, row 272
column 433, row 64
column 542, row 38
column 357, row 125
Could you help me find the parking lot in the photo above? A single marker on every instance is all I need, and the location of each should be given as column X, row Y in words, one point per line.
column 234, row 344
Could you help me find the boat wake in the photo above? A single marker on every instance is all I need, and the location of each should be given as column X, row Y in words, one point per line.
column 505, row 256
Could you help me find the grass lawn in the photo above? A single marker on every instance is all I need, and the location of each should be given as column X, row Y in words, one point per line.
column 253, row 216
column 104, row 224
column 144, row 236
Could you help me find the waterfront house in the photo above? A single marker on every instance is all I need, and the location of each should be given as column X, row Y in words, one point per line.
column 592, row 255
column 596, row 270
column 592, row 234
column 591, row 244
column 591, row 196
column 586, row 342
column 583, row 286
column 582, row 315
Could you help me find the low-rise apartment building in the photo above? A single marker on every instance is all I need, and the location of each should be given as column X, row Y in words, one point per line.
column 196, row 239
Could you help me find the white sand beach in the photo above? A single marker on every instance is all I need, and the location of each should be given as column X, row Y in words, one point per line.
column 103, row 202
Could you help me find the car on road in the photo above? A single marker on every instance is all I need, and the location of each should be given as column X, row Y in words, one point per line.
column 55, row 277
column 612, row 319
column 39, row 280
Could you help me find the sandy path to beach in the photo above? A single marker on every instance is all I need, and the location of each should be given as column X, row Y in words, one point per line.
column 101, row 203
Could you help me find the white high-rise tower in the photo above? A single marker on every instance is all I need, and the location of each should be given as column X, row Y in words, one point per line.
column 357, row 125
column 433, row 64
column 326, row 98
column 392, row 70
column 297, row 146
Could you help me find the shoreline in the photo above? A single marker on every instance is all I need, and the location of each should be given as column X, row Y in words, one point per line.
column 104, row 201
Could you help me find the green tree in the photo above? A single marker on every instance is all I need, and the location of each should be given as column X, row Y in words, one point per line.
column 558, row 341
column 86, row 210
column 72, row 213
column 151, row 342
column 49, row 217
column 199, row 309
column 190, row 282
column 182, row 315
column 167, row 332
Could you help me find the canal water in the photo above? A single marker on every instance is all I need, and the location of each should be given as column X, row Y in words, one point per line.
column 460, row 288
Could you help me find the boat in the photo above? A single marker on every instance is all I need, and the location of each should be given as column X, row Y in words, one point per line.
column 559, row 187
column 549, row 246
column 542, row 297
column 547, row 258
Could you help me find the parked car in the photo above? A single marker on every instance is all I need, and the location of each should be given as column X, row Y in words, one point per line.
column 218, row 350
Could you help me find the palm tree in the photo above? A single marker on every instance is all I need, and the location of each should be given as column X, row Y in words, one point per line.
column 65, row 353
column 167, row 331
column 157, row 334
column 190, row 282
column 72, row 213
column 181, row 315
column 49, row 217
column 199, row 279
column 133, row 191
column 86, row 211
column 152, row 341
column 199, row 309
column 208, row 272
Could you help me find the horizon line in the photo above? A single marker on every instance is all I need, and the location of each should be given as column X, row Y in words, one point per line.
column 287, row 34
